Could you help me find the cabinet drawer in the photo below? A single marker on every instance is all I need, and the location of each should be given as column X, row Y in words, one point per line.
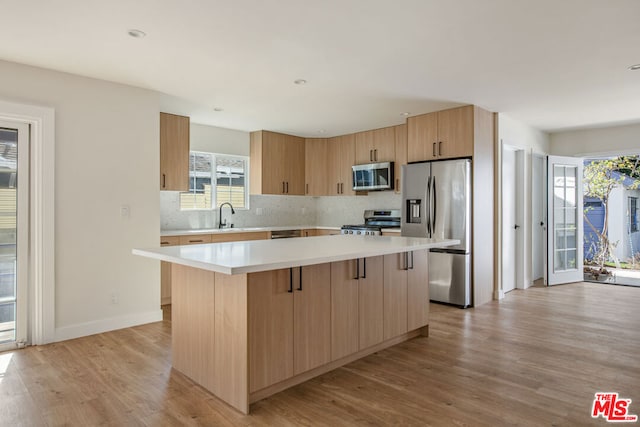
column 195, row 240
column 169, row 240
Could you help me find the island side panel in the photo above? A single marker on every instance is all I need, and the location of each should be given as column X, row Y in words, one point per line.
column 231, row 362
column 192, row 323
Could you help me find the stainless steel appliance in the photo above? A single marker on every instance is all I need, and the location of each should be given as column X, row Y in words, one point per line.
column 373, row 176
column 374, row 222
column 436, row 202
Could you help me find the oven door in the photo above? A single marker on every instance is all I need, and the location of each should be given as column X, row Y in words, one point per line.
column 373, row 176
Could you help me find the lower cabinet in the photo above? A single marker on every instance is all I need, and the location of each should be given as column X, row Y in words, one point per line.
column 289, row 323
column 165, row 271
column 418, row 290
column 306, row 317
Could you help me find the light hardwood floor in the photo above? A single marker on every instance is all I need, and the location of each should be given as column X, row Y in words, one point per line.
column 535, row 358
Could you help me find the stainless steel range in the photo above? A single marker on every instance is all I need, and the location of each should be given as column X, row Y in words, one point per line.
column 374, row 222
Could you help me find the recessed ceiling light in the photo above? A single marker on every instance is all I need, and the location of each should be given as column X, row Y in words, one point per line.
column 635, row 67
column 218, row 109
column 138, row 34
column 405, row 113
column 300, row 82
column 322, row 131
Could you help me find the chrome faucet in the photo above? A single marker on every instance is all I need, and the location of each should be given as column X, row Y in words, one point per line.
column 221, row 223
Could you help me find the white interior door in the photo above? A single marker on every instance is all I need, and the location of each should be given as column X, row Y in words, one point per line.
column 14, row 233
column 564, row 202
column 539, row 216
column 509, row 231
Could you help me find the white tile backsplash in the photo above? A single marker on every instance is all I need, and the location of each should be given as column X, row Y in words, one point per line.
column 278, row 210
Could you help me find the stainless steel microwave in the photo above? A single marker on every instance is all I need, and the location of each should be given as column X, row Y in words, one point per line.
column 373, row 176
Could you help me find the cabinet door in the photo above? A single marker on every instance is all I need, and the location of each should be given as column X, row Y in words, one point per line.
column 270, row 328
column 401, row 155
column 422, row 137
column 370, row 299
column 418, row 290
column 364, row 147
column 334, row 169
column 316, row 166
column 384, row 144
column 294, row 165
column 455, row 132
column 344, row 309
column 395, row 294
column 165, row 271
column 312, row 318
column 347, row 159
column 274, row 148
column 174, row 152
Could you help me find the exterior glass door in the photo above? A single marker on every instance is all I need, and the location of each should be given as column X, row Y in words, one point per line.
column 14, row 155
column 565, row 260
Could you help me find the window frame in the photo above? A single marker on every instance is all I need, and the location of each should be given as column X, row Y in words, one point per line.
column 633, row 214
column 214, row 181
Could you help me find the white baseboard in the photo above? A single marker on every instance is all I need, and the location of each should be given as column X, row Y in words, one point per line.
column 498, row 294
column 106, row 325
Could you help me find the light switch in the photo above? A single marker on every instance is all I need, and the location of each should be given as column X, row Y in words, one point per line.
column 125, row 211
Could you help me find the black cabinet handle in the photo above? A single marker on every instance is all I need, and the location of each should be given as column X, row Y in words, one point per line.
column 290, row 280
column 375, row 154
column 342, row 188
column 370, row 155
column 440, row 148
column 300, row 285
column 357, row 269
column 307, row 189
column 364, row 268
column 338, row 188
column 287, row 187
column 406, row 261
column 411, row 268
column 434, row 149
column 164, row 180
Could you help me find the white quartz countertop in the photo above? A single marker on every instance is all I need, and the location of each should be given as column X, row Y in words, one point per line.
column 186, row 232
column 264, row 255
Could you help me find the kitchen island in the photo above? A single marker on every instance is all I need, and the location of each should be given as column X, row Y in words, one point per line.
column 250, row 319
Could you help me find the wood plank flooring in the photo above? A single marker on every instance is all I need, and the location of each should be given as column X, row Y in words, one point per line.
column 535, row 358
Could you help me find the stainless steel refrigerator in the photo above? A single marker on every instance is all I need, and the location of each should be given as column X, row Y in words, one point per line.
column 436, row 202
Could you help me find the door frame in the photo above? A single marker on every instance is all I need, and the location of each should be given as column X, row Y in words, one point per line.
column 41, row 264
column 522, row 205
column 534, row 221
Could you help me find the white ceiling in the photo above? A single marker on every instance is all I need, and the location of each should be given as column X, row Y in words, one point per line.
column 554, row 64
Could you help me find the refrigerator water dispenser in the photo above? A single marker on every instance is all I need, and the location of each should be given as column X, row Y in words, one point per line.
column 413, row 211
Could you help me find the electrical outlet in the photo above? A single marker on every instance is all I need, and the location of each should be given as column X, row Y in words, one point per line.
column 114, row 298
column 125, row 211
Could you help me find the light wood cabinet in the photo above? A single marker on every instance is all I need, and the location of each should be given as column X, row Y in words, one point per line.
column 165, row 271
column 277, row 163
column 270, row 302
column 401, row 156
column 316, row 164
column 376, row 145
column 196, row 239
column 312, row 318
column 441, row 135
column 370, row 301
column 396, row 269
column 418, row 290
column 237, row 237
column 342, row 155
column 344, row 309
column 174, row 152
column 324, row 232
column 289, row 323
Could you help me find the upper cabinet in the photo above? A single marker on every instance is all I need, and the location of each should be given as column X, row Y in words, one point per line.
column 374, row 146
column 277, row 162
column 401, row 155
column 316, row 166
column 342, row 155
column 174, row 152
column 440, row 135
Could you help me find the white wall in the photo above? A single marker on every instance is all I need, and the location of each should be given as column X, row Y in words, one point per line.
column 531, row 141
column 597, row 141
column 219, row 140
column 107, row 155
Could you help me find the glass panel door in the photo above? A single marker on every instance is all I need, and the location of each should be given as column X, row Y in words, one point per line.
column 13, row 232
column 565, row 219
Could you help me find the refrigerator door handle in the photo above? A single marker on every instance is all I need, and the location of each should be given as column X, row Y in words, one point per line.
column 435, row 206
column 428, row 206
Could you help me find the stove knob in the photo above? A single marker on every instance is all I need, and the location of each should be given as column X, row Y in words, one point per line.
column 350, row 231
